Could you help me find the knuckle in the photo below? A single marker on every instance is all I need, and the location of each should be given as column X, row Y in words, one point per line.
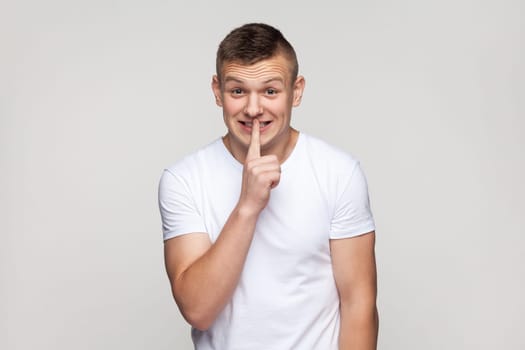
column 273, row 157
column 250, row 165
column 255, row 170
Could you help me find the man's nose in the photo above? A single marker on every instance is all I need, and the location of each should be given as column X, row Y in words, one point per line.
column 253, row 106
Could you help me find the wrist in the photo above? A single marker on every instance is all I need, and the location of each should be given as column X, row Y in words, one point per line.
column 247, row 212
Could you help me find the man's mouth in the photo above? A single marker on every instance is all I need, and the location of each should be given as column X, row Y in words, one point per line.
column 261, row 124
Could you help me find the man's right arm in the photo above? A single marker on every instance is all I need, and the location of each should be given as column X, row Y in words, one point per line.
column 203, row 275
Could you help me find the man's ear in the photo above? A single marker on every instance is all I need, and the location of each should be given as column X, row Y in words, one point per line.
column 298, row 88
column 216, row 88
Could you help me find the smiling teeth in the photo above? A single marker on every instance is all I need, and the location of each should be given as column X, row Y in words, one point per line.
column 261, row 124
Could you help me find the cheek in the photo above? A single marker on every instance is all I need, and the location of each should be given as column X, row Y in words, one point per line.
column 232, row 107
column 280, row 107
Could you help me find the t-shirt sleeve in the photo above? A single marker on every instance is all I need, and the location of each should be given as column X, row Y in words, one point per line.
column 178, row 211
column 352, row 214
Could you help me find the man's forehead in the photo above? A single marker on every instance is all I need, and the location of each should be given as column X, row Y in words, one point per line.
column 274, row 68
column 263, row 79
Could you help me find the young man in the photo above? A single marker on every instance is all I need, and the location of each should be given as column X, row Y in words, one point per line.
column 269, row 238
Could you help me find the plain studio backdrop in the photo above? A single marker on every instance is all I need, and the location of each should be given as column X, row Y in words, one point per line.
column 97, row 97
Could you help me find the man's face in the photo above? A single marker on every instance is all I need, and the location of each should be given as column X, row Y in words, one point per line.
column 264, row 91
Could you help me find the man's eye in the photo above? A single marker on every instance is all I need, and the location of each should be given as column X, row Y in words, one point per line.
column 271, row 91
column 237, row 91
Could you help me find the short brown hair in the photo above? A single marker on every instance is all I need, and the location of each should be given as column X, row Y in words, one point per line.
column 252, row 43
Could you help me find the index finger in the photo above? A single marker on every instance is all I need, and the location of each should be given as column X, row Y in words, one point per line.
column 254, row 150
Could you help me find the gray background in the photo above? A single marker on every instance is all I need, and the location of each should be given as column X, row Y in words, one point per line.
column 98, row 96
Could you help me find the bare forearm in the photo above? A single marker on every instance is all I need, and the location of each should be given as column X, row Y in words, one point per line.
column 203, row 289
column 359, row 327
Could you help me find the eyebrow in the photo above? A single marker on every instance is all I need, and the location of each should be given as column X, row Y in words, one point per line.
column 240, row 81
column 278, row 79
column 227, row 79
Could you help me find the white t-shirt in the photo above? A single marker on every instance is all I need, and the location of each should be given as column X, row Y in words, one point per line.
column 286, row 297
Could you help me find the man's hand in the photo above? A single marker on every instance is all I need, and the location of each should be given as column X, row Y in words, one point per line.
column 260, row 174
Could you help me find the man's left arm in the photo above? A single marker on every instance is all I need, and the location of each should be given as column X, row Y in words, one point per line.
column 354, row 269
